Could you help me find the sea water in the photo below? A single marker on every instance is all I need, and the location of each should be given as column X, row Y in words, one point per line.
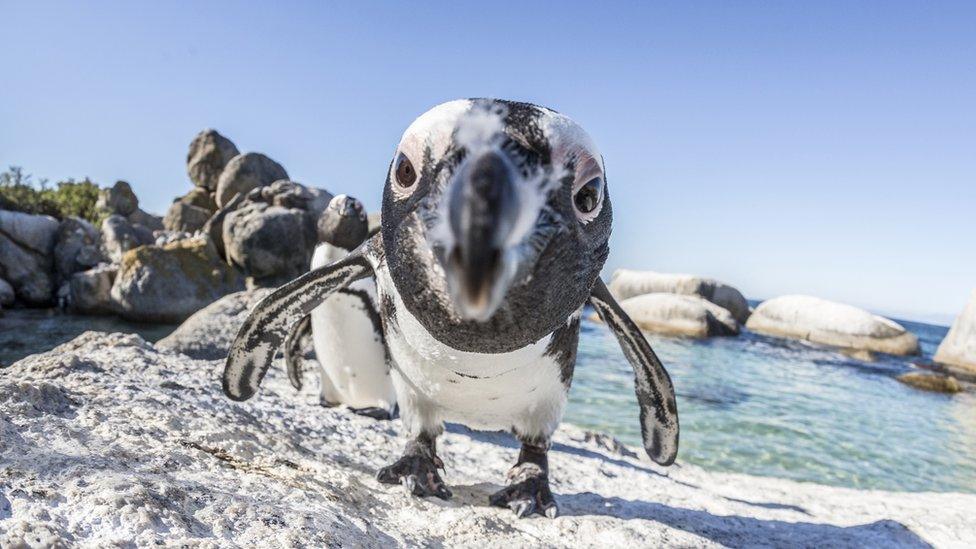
column 748, row 404
column 772, row 407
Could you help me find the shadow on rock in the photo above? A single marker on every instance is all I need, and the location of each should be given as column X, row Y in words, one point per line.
column 739, row 531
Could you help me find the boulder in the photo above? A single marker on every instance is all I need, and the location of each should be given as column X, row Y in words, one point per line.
column 245, row 172
column 7, row 295
column 184, row 217
column 626, row 283
column 201, row 198
column 831, row 323
column 269, row 242
column 117, row 200
column 958, row 350
column 90, row 292
column 680, row 315
column 145, row 219
column 78, row 247
column 27, row 255
column 209, row 154
column 935, row 383
column 272, row 232
column 169, row 283
column 120, row 236
column 208, row 334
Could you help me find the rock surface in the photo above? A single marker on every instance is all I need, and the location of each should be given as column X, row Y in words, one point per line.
column 209, row 154
column 6, row 293
column 105, row 441
column 117, row 200
column 626, row 283
column 831, row 323
column 958, row 349
column 27, row 255
column 90, row 292
column 171, row 282
column 146, row 219
column 78, row 248
column 271, row 235
column 931, row 382
column 120, row 236
column 209, row 333
column 245, row 172
column 680, row 315
column 184, row 217
column 201, row 198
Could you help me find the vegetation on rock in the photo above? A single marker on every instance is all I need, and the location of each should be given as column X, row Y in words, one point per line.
column 19, row 193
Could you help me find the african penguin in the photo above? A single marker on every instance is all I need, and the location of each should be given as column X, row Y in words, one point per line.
column 495, row 226
column 346, row 330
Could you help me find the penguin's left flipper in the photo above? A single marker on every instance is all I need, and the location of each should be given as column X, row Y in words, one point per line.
column 267, row 325
column 293, row 350
column 655, row 394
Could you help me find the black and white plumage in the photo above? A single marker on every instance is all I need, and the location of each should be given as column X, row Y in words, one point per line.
column 346, row 331
column 496, row 220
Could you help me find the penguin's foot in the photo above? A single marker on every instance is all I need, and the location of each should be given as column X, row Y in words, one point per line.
column 527, row 492
column 326, row 404
column 375, row 412
column 418, row 474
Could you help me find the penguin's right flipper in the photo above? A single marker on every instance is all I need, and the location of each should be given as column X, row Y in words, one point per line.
column 267, row 325
column 293, row 350
column 655, row 393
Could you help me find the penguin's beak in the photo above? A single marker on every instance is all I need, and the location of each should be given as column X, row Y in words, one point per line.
column 482, row 211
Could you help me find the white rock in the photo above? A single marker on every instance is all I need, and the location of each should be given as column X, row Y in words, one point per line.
column 958, row 349
column 626, row 283
column 682, row 315
column 831, row 323
column 104, row 441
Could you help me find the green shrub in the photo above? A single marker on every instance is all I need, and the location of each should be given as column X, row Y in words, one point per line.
column 68, row 198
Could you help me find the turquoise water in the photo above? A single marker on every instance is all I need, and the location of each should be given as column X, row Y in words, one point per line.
column 770, row 407
column 749, row 404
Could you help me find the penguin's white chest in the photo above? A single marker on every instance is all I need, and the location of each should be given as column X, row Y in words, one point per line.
column 348, row 344
column 521, row 389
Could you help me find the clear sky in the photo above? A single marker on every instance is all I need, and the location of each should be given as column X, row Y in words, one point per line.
column 784, row 147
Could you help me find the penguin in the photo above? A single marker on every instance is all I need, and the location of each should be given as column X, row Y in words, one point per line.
column 496, row 220
column 346, row 330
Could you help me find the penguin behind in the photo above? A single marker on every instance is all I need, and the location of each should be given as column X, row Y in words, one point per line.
column 346, row 330
column 496, row 224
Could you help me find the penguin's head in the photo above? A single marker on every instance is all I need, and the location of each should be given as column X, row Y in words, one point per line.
column 343, row 223
column 496, row 219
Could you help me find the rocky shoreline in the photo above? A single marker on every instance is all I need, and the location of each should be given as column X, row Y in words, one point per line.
column 108, row 439
column 242, row 224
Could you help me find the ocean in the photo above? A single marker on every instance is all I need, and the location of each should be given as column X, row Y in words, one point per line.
column 748, row 404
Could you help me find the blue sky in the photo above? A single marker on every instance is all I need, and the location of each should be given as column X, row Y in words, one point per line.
column 784, row 147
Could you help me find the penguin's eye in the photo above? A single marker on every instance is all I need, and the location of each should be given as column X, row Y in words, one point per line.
column 405, row 174
column 588, row 196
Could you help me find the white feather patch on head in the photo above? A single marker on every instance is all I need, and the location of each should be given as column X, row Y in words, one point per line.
column 480, row 127
column 432, row 129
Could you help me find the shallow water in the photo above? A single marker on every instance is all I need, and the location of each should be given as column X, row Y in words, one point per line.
column 27, row 331
column 771, row 407
column 750, row 404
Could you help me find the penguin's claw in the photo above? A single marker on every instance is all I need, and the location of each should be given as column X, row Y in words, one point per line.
column 417, row 474
column 529, row 493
